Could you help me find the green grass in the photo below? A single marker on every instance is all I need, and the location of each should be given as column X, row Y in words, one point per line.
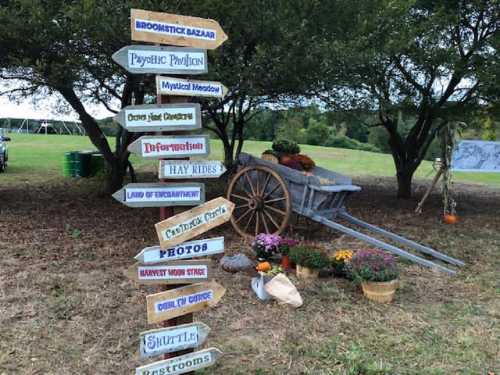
column 34, row 156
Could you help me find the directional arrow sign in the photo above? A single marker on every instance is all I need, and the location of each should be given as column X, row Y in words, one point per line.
column 189, row 87
column 161, row 195
column 162, row 60
column 173, row 29
column 186, row 250
column 182, row 169
column 172, row 339
column 187, row 299
column 180, row 272
column 171, row 146
column 181, row 364
column 189, row 224
column 160, row 117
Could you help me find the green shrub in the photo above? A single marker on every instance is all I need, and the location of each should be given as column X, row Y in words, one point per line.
column 309, row 257
column 346, row 142
column 284, row 146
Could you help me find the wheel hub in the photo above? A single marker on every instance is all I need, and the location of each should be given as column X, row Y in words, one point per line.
column 256, row 203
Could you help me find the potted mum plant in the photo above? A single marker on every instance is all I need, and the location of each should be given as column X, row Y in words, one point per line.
column 284, row 249
column 309, row 261
column 266, row 245
column 340, row 261
column 378, row 273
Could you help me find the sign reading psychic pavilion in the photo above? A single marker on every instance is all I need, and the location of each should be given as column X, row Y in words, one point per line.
column 171, row 146
column 189, row 87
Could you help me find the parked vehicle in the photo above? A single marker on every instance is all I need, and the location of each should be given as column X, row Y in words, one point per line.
column 4, row 155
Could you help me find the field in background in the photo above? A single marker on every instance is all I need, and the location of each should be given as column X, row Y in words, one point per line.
column 32, row 156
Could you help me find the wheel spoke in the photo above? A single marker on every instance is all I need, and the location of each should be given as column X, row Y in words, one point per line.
column 240, row 197
column 275, row 200
column 266, row 182
column 257, row 183
column 242, row 206
column 272, row 191
column 250, row 183
column 276, row 210
column 264, row 221
column 257, row 223
column 251, row 217
column 242, row 216
column 271, row 218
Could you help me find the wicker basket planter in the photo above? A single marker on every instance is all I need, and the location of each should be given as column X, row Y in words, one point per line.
column 306, row 272
column 380, row 291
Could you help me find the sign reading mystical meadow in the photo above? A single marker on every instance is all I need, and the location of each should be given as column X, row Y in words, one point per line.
column 178, row 272
column 171, row 146
column 186, row 250
column 160, row 117
column 161, row 194
column 476, row 156
column 162, row 60
column 167, row 340
column 182, row 169
column 173, row 29
column 198, row 220
column 189, row 87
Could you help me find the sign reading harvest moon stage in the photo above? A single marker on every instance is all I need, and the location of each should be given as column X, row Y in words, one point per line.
column 189, row 87
column 160, row 117
column 171, row 146
column 181, row 169
column 187, row 299
column 167, row 340
column 173, row 29
column 186, row 250
column 181, row 364
column 161, row 194
column 179, row 272
column 162, row 60
column 198, row 220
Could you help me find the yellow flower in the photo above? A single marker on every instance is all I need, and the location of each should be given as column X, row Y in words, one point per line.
column 343, row 255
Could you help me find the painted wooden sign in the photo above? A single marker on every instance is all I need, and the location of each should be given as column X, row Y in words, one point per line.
column 173, row 29
column 167, row 340
column 191, row 223
column 160, row 117
column 161, row 194
column 182, row 169
column 189, row 87
column 184, row 300
column 186, row 250
column 162, row 60
column 181, row 364
column 171, row 146
column 179, row 272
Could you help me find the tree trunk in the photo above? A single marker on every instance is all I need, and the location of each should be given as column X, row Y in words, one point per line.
column 116, row 175
column 405, row 177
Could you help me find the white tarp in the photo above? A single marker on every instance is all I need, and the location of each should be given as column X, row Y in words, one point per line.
column 476, row 156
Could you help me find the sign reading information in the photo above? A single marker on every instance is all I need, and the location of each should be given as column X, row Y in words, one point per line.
column 187, row 299
column 160, row 117
column 171, row 146
column 173, row 29
column 162, row 60
column 167, row 340
column 180, row 272
column 198, row 220
column 182, row 169
column 189, row 87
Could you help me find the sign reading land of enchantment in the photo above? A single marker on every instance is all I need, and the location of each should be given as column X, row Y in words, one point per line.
column 162, row 60
column 171, row 146
column 189, row 87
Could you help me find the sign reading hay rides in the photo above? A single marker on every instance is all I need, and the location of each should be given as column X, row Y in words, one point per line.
column 167, row 340
column 186, row 250
column 162, row 60
column 160, row 117
column 173, row 29
column 189, row 87
column 171, row 146
column 181, row 364
column 198, row 220
column 181, row 169
column 180, row 272
column 187, row 299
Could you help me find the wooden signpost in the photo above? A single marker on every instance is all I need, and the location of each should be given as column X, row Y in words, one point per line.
column 179, row 272
column 189, row 224
column 172, row 339
column 162, row 60
column 161, row 194
column 189, row 87
column 160, row 117
column 170, row 146
column 184, row 300
column 182, row 169
column 181, row 364
column 173, row 29
column 186, row 250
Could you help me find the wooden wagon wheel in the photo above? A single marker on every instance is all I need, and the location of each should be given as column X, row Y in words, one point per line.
column 262, row 201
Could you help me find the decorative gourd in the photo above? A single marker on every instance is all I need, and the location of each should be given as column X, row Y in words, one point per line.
column 450, row 219
column 263, row 266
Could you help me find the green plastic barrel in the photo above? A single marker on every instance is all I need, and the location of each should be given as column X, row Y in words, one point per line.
column 70, row 164
column 96, row 163
column 83, row 169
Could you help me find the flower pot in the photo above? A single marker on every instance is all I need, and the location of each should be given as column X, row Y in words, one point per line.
column 306, row 273
column 380, row 291
column 285, row 262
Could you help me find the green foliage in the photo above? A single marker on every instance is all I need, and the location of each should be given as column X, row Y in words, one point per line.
column 290, row 128
column 284, row 146
column 317, row 132
column 309, row 257
column 489, row 129
column 346, row 142
column 373, row 265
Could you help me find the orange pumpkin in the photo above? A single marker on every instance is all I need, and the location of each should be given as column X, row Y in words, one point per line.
column 450, row 219
column 263, row 266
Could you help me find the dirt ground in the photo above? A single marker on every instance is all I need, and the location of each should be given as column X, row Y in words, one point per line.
column 66, row 308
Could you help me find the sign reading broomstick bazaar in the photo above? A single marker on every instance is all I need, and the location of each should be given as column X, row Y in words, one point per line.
column 186, row 250
column 189, row 87
column 167, row 340
column 187, row 299
column 173, row 29
column 182, row 169
column 198, row 220
column 181, row 364
column 180, row 272
column 161, row 194
column 162, row 60
column 160, row 117
column 171, row 146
